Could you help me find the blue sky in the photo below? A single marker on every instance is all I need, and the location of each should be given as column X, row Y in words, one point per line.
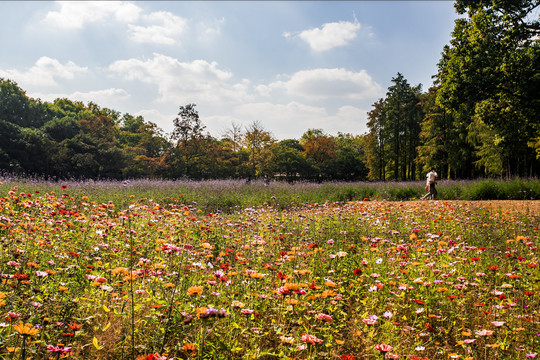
column 291, row 65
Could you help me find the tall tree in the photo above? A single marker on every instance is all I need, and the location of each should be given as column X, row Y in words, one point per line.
column 490, row 69
column 377, row 142
column 189, row 137
column 403, row 119
column 257, row 141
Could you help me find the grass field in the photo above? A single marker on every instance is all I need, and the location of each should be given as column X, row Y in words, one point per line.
column 109, row 270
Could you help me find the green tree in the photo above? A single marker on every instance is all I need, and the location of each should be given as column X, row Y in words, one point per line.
column 190, row 139
column 288, row 160
column 491, row 70
column 403, row 117
column 349, row 163
column 377, row 142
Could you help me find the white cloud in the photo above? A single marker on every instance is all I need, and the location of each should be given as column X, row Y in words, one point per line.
column 44, row 72
column 101, row 97
column 320, row 84
column 291, row 120
column 165, row 30
column 209, row 30
column 75, row 14
column 182, row 82
column 330, row 35
column 163, row 121
column 105, row 98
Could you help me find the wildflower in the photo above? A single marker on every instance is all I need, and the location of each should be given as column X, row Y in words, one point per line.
column 324, row 317
column 189, row 347
column 25, row 329
column 498, row 323
column 194, row 290
column 60, row 348
column 369, row 321
column 531, row 355
column 287, row 339
column 391, row 356
column 383, row 348
column 310, row 339
column 347, row 357
column 484, row 332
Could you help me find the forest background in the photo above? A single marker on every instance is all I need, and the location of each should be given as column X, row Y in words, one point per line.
column 478, row 119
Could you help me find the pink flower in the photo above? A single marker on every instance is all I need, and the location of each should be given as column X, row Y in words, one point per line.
column 369, row 321
column 59, row 349
column 388, row 314
column 531, row 355
column 310, row 339
column 383, row 348
column 498, row 323
column 324, row 317
column 484, row 332
column 391, row 356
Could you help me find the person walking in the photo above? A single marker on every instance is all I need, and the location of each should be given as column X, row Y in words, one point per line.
column 431, row 178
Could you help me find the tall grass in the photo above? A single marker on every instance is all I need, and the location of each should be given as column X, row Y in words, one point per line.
column 232, row 195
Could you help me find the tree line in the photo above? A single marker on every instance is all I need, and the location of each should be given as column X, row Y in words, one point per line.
column 480, row 118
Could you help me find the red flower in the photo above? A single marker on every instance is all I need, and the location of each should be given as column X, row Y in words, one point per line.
column 529, row 293
column 281, row 275
column 357, row 272
column 63, row 186
column 347, row 357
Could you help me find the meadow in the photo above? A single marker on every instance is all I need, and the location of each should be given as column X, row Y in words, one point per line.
column 227, row 270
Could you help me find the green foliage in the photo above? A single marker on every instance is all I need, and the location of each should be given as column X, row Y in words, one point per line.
column 489, row 77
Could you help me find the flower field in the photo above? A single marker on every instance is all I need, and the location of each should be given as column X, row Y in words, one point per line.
column 84, row 278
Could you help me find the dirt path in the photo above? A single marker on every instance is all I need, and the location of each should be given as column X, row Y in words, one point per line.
column 508, row 206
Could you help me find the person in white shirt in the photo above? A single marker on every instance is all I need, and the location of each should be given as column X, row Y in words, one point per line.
column 431, row 178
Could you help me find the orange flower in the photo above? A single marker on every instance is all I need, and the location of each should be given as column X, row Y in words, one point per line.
column 25, row 329
column 195, row 290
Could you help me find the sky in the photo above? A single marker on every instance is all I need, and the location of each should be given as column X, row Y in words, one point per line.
column 289, row 65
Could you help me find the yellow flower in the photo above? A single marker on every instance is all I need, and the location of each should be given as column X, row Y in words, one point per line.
column 25, row 329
